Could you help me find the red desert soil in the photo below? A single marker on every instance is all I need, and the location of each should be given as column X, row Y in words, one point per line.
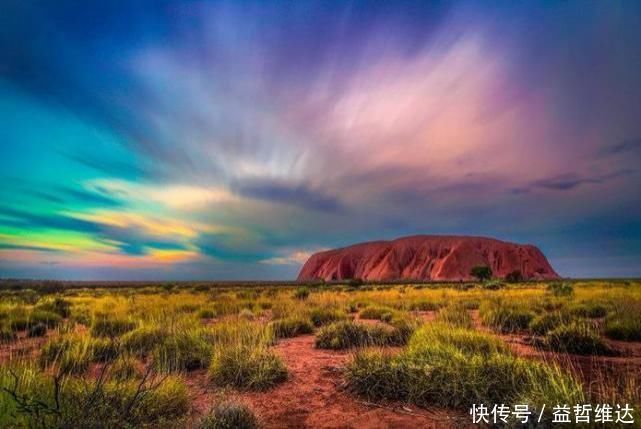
column 314, row 396
column 427, row 257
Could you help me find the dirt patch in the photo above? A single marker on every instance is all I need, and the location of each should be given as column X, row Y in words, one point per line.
column 314, row 396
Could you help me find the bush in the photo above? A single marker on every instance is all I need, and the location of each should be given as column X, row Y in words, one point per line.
column 455, row 367
column 230, row 415
column 481, row 272
column 455, row 315
column 323, row 316
column 106, row 326
column 58, row 305
column 89, row 404
column 123, row 368
column 38, row 330
column 493, row 285
column 578, row 338
column 7, row 335
column 246, row 367
column 624, row 324
column 505, row 318
column 514, row 276
column 589, row 310
column 545, row 323
column 424, row 306
column 183, row 351
column 302, row 293
column 141, row 341
column 47, row 318
column 561, row 289
column 103, row 349
column 206, row 313
column 376, row 313
column 346, row 334
column 291, row 327
column 70, row 354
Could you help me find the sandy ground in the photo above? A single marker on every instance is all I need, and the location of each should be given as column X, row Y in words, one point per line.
column 314, row 396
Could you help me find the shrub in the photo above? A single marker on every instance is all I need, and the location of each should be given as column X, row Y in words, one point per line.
column 577, row 338
column 183, row 351
column 346, row 334
column 47, row 318
column 86, row 403
column 38, row 330
column 58, row 305
column 291, row 327
column 545, row 323
column 103, row 349
column 481, row 272
column 561, row 289
column 493, row 285
column 455, row 315
column 141, row 341
column 323, row 316
column 246, row 367
column 376, row 313
column 123, row 368
column 514, row 276
column 206, row 313
column 230, row 415
column 70, row 354
column 106, row 326
column 424, row 306
column 589, row 310
column 623, row 326
column 301, row 293
column 455, row 367
column 505, row 318
column 7, row 335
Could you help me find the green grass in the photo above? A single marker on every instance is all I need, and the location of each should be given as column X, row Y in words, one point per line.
column 88, row 404
column 577, row 337
column 624, row 324
column 377, row 313
column 324, row 316
column 182, row 351
column 455, row 315
column 291, row 327
column 111, row 326
column 346, row 334
column 504, row 317
column 230, row 415
column 143, row 340
column 243, row 367
column 455, row 367
column 544, row 323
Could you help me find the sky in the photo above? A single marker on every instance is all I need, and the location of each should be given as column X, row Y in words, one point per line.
column 230, row 140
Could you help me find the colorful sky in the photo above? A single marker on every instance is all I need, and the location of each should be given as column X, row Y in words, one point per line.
column 228, row 140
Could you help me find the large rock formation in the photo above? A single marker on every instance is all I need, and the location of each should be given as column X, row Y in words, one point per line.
column 427, row 257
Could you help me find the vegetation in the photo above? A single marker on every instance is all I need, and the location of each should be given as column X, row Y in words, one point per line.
column 481, row 272
column 578, row 338
column 132, row 356
column 454, row 367
column 253, row 368
column 230, row 415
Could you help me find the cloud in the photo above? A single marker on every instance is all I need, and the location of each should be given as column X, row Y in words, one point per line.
column 177, row 196
column 298, row 257
column 622, row 147
column 570, row 181
column 293, row 194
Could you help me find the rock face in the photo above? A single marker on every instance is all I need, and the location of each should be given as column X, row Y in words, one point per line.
column 427, row 257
